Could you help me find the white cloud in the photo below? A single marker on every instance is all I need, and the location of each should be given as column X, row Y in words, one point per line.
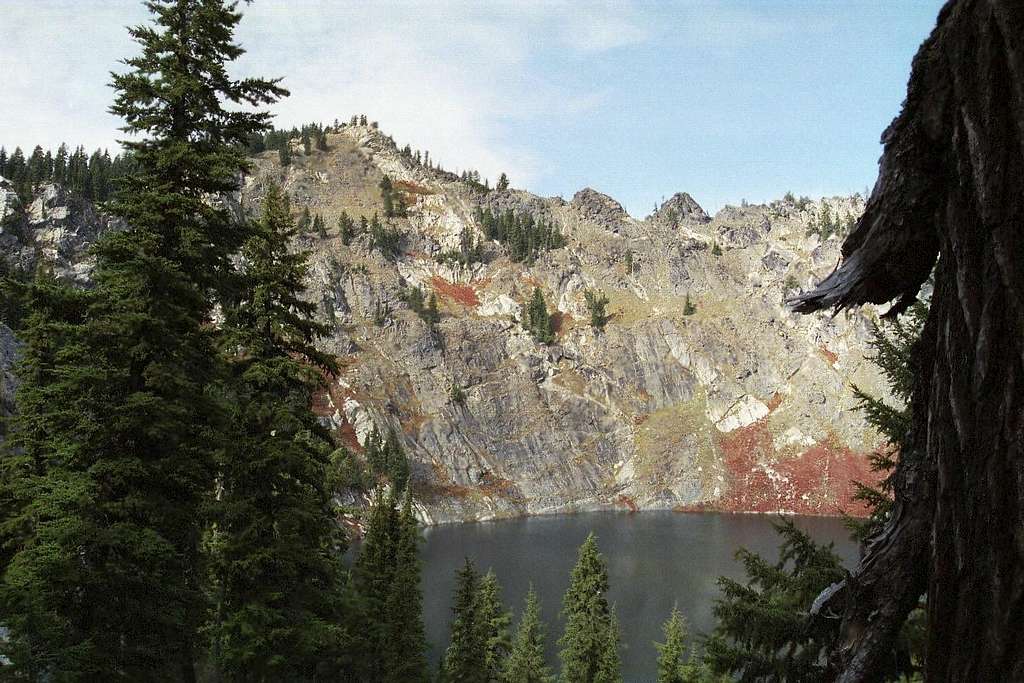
column 453, row 78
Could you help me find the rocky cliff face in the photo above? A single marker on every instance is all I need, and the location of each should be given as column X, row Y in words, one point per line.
column 739, row 405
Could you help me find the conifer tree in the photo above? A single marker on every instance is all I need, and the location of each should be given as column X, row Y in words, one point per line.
column 502, row 182
column 346, row 228
column 406, row 643
column 493, row 622
column 305, row 221
column 609, row 664
column 129, row 470
column 284, row 154
column 275, row 556
column 307, row 148
column 463, row 660
column 672, row 667
column 525, row 663
column 538, row 320
column 372, row 576
column 588, row 620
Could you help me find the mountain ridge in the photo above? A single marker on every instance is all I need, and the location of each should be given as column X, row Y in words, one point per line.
column 722, row 408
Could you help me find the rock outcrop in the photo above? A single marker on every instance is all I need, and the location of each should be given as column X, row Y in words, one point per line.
column 731, row 403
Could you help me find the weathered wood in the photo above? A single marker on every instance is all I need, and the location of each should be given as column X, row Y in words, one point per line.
column 950, row 186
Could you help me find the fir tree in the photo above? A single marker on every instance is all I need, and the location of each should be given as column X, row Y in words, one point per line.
column 609, row 664
column 319, row 227
column 284, row 154
column 588, row 620
column 463, row 660
column 275, row 560
column 307, row 148
column 672, row 666
column 689, row 308
column 130, row 468
column 406, row 644
column 525, row 663
column 305, row 221
column 373, row 575
column 346, row 228
column 493, row 622
column 538, row 321
column 597, row 304
column 502, row 182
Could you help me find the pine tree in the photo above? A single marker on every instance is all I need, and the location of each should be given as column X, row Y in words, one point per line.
column 307, row 148
column 538, row 320
column 373, row 576
column 305, row 221
column 609, row 664
column 132, row 465
column 761, row 632
column 502, row 182
column 319, row 227
column 346, row 228
column 689, row 308
column 284, row 154
column 406, row 644
column 275, row 560
column 493, row 622
column 672, row 666
column 588, row 619
column 463, row 660
column 597, row 304
column 525, row 663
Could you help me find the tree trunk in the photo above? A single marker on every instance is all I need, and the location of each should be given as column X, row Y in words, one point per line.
column 950, row 186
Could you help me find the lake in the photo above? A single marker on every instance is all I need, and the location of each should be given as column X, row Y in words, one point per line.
column 655, row 560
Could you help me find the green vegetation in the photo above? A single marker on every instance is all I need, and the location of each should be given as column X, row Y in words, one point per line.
column 384, row 238
column 277, row 587
column 537, row 320
column 597, row 304
column 424, row 307
column 628, row 262
column 525, row 237
column 502, row 182
column 826, row 225
column 111, row 511
column 470, row 250
column 589, row 646
column 96, row 177
column 716, row 250
column 689, row 308
column 394, row 203
column 763, row 630
column 346, row 228
column 387, row 458
column 525, row 663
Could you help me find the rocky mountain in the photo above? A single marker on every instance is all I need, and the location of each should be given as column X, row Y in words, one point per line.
column 730, row 402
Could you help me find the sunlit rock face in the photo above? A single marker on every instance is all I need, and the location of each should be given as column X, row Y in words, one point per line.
column 733, row 403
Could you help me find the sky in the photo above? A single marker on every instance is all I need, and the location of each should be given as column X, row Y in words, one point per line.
column 725, row 100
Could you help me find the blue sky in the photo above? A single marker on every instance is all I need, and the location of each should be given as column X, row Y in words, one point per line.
column 724, row 100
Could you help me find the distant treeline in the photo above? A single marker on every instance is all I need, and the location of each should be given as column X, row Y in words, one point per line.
column 523, row 235
column 92, row 176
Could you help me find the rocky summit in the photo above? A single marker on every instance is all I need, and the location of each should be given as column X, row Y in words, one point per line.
column 702, row 391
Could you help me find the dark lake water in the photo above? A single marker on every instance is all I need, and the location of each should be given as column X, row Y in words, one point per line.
column 655, row 560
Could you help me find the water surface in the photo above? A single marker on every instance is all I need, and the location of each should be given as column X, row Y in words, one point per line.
column 655, row 560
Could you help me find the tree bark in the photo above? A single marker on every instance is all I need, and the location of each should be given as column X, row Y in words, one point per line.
column 950, row 187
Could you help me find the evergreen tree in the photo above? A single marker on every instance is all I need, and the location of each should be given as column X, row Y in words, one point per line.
column 275, row 560
column 284, row 154
column 502, row 182
column 761, row 632
column 538, row 321
column 493, row 622
column 307, row 147
column 406, row 644
column 672, row 667
column 319, row 227
column 108, row 573
column 346, row 228
column 689, row 308
column 463, row 661
column 525, row 663
column 305, row 221
column 373, row 576
column 609, row 665
column 597, row 304
column 586, row 649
